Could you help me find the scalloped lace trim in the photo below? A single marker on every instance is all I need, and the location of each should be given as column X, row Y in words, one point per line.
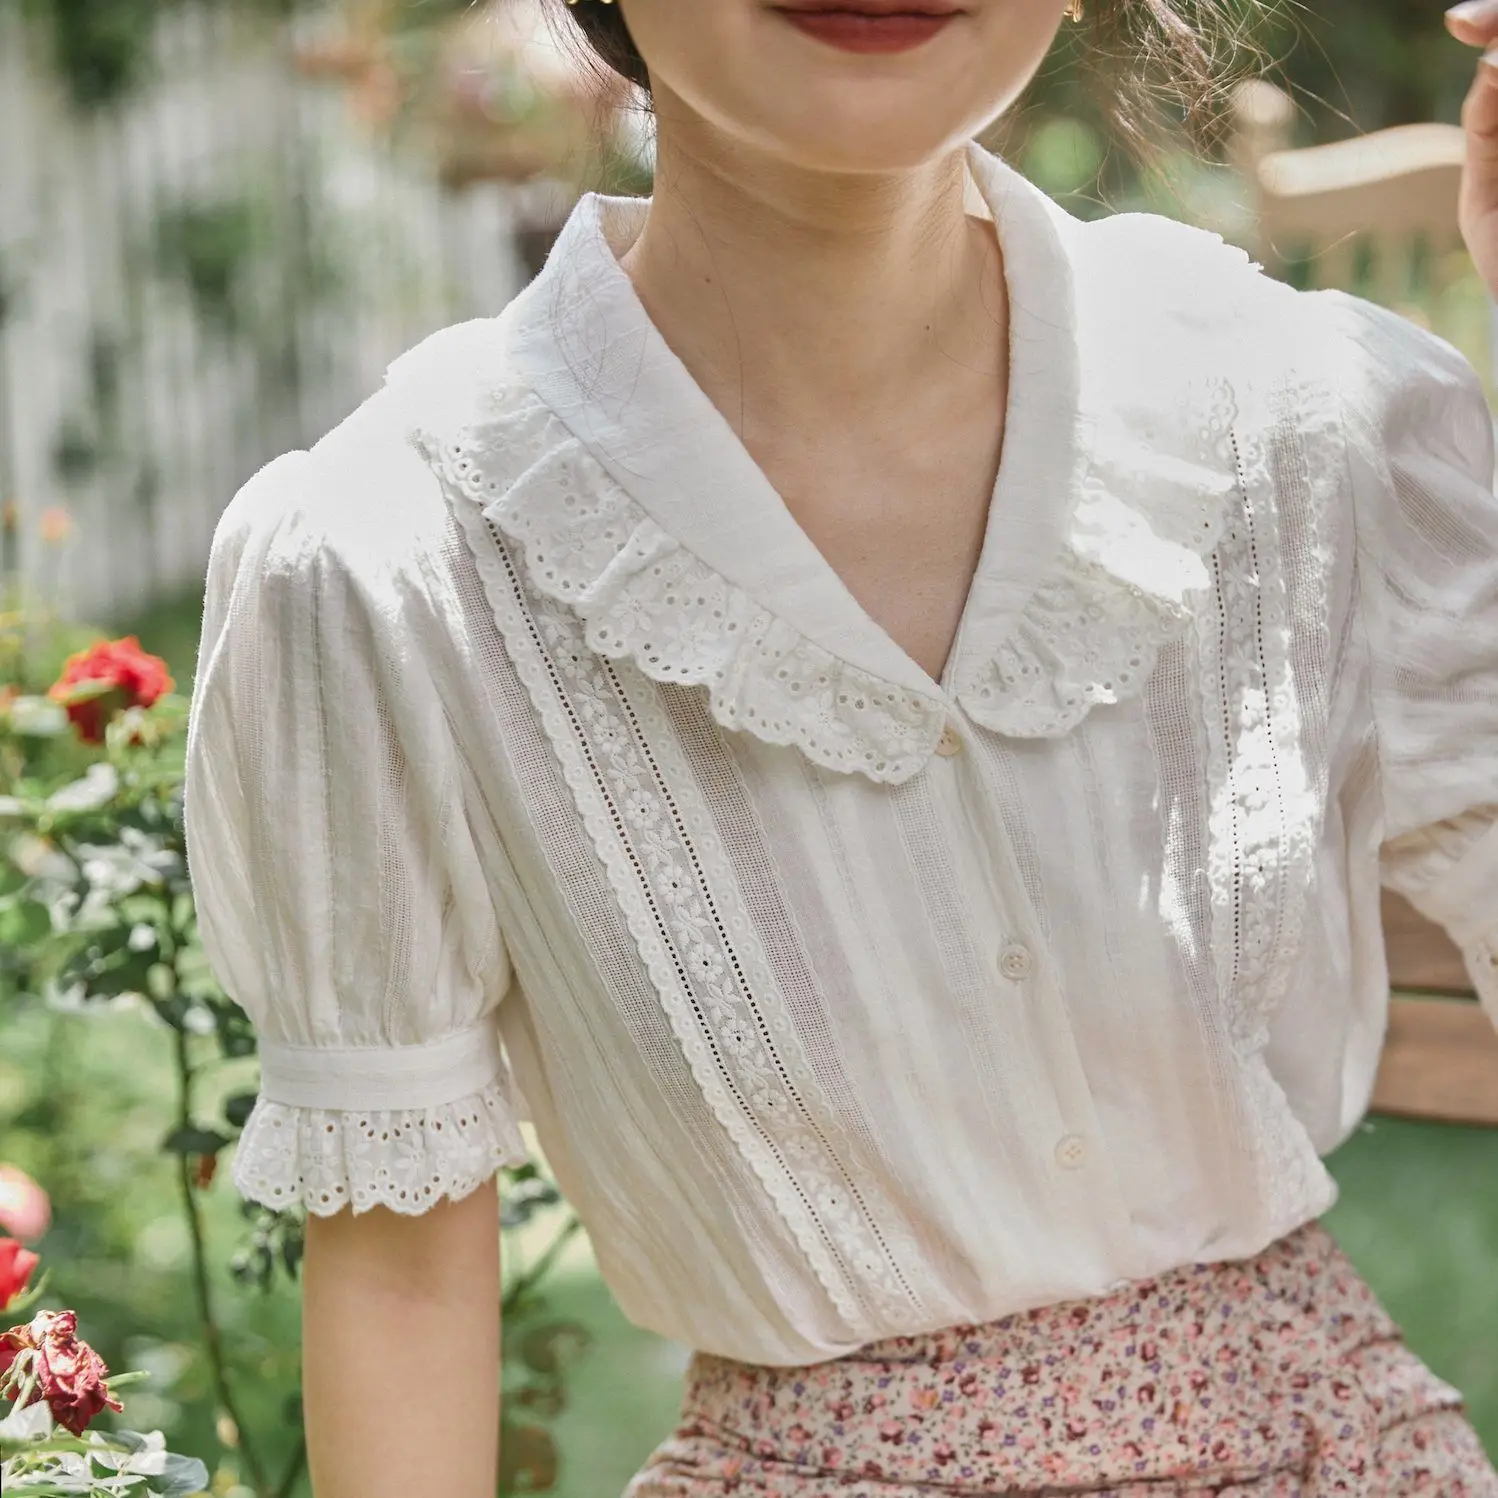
column 405, row 1159
column 644, row 596
column 1126, row 580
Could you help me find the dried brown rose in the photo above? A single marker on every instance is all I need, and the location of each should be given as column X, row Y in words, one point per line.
column 70, row 1375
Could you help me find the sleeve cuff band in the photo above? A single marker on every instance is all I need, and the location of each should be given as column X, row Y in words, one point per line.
column 376, row 1078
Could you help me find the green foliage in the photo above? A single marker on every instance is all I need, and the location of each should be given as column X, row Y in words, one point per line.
column 1357, row 65
column 211, row 248
column 99, row 49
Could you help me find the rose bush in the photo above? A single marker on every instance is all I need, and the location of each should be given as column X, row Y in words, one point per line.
column 56, row 1384
column 96, row 910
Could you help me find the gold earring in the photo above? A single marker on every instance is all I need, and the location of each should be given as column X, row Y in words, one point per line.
column 1073, row 10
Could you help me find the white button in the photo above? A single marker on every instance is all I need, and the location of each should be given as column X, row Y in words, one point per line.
column 1016, row 962
column 1071, row 1150
column 1118, row 1285
column 949, row 742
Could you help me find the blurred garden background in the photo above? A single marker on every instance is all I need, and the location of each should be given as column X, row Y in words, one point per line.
column 218, row 223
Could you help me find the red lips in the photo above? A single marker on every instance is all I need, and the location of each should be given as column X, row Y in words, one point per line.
column 870, row 26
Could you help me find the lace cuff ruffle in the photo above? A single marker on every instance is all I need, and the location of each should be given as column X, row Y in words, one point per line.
column 404, row 1159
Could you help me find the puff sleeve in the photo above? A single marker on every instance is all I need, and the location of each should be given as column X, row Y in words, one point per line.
column 1421, row 447
column 339, row 894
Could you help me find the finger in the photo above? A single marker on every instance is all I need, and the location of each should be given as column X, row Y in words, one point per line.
column 1477, row 199
column 1480, row 107
column 1474, row 21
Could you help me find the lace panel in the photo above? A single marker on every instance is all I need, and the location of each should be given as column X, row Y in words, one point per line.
column 715, row 989
column 1265, row 717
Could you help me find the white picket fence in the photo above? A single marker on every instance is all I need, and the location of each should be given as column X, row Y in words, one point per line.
column 124, row 400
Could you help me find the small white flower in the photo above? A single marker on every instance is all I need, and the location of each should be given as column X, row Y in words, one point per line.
column 38, row 858
column 38, row 716
column 100, row 784
column 71, row 999
column 117, row 869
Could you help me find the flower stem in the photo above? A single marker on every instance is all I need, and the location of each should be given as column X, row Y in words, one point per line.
column 536, row 1272
column 293, row 1469
column 212, row 1337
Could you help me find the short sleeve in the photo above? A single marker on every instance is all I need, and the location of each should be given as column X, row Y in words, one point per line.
column 339, row 894
column 1421, row 448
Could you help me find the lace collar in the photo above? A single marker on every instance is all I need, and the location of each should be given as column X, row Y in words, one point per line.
column 582, row 437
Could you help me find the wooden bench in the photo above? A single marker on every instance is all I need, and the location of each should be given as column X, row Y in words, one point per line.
column 1360, row 214
column 1374, row 214
column 1440, row 1060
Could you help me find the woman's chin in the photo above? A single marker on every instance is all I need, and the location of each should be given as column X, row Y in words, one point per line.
column 864, row 142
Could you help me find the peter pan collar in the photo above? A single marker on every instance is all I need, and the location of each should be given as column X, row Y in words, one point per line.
column 637, row 506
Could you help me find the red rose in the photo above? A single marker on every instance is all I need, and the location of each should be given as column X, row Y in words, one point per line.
column 70, row 1374
column 16, row 1264
column 136, row 679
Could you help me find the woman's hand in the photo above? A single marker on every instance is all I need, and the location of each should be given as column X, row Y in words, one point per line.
column 1476, row 23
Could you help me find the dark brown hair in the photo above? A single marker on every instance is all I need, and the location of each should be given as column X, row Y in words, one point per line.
column 1136, row 56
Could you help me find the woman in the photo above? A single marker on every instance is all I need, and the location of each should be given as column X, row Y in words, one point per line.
column 892, row 703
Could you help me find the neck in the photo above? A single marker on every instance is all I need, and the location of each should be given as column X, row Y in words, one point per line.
column 790, row 294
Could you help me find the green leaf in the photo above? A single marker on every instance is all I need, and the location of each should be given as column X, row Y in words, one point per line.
column 23, row 922
column 48, row 1485
column 548, row 1348
column 133, row 908
column 188, row 1139
column 237, row 1108
column 184, row 1476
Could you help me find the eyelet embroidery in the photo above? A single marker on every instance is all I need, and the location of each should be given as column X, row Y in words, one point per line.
column 403, row 1159
column 1264, row 814
column 644, row 597
column 1129, row 576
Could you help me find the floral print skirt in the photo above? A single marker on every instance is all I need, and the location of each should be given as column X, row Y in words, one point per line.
column 1277, row 1376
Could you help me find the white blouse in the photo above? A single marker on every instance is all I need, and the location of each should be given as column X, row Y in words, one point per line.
column 540, row 767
